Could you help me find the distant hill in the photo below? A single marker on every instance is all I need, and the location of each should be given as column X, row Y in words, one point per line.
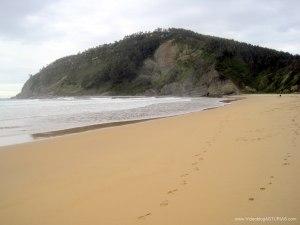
column 168, row 62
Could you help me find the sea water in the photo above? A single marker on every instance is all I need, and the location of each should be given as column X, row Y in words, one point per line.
column 19, row 119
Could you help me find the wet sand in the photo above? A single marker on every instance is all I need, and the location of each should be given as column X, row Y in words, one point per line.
column 214, row 167
column 86, row 128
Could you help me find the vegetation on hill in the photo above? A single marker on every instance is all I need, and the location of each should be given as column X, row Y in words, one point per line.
column 190, row 64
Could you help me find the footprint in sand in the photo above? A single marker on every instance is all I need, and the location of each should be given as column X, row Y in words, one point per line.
column 285, row 164
column 197, row 154
column 184, row 175
column 144, row 216
column 164, row 203
column 196, row 168
column 201, row 158
column 194, row 163
column 271, row 177
column 262, row 188
column 251, row 199
column 183, row 182
column 172, row 191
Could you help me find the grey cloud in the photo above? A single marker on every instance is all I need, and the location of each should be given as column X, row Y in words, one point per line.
column 38, row 31
column 13, row 14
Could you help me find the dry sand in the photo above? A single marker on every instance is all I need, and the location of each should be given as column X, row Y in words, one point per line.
column 208, row 168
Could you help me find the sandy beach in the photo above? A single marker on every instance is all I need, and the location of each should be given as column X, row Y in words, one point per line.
column 221, row 166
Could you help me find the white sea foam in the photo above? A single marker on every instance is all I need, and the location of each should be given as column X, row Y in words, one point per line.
column 21, row 118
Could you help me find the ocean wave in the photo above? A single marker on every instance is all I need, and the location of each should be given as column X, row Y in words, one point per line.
column 44, row 115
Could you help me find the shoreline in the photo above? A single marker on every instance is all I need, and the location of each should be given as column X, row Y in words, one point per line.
column 28, row 138
column 88, row 128
column 119, row 123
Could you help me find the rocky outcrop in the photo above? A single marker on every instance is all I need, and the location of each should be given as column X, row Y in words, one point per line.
column 164, row 67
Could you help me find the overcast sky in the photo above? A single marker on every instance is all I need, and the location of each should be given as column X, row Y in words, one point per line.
column 33, row 33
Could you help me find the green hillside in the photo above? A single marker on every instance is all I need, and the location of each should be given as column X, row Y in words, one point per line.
column 168, row 62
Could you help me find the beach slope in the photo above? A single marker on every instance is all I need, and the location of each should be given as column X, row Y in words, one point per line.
column 213, row 167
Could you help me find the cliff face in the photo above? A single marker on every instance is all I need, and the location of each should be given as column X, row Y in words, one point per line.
column 168, row 62
column 169, row 74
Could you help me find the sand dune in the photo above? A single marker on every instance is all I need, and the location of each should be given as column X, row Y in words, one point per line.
column 215, row 167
